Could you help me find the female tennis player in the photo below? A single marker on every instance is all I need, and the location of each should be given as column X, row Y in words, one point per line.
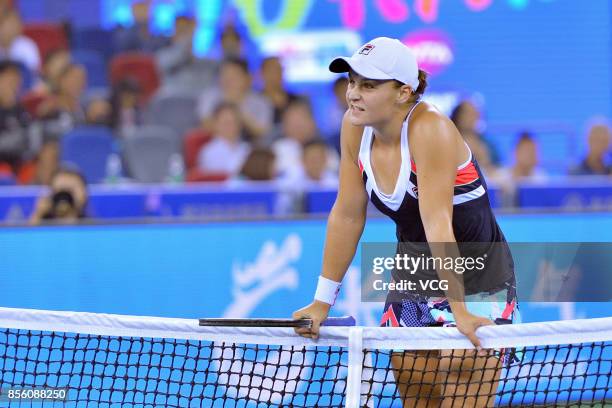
column 390, row 139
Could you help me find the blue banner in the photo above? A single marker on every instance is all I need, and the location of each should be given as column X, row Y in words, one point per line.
column 574, row 196
column 189, row 201
column 248, row 269
column 137, row 201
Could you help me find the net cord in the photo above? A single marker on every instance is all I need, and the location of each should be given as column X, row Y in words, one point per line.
column 413, row 338
column 356, row 338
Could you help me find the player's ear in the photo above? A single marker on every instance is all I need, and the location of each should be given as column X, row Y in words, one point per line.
column 403, row 94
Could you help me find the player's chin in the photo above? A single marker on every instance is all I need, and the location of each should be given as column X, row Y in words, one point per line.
column 357, row 118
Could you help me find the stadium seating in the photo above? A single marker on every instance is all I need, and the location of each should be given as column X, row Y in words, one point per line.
column 138, row 66
column 95, row 65
column 94, row 39
column 31, row 101
column 147, row 153
column 47, row 36
column 89, row 148
column 176, row 111
column 193, row 141
column 6, row 175
column 196, row 175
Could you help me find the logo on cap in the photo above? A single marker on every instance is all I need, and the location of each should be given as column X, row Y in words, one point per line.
column 366, row 49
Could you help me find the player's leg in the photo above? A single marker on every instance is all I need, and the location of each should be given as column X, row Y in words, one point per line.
column 471, row 380
column 419, row 382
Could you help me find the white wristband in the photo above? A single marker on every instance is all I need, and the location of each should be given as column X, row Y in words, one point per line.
column 327, row 290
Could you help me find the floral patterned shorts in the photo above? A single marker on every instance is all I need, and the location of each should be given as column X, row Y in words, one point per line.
column 501, row 307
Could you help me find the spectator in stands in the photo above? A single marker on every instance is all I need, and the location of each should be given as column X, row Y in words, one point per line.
column 231, row 42
column 5, row 7
column 139, row 37
column 98, row 111
column 14, row 45
column 226, row 152
column 179, row 67
column 594, row 163
column 260, row 165
column 54, row 64
column 60, row 113
column 235, row 87
column 125, row 113
column 315, row 161
column 64, row 105
column 66, row 201
column 313, row 171
column 467, row 119
column 298, row 128
column 525, row 167
column 14, row 121
column 230, row 45
column 274, row 87
column 335, row 113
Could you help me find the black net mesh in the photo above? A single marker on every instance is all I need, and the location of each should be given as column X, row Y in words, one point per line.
column 568, row 375
column 136, row 372
column 114, row 371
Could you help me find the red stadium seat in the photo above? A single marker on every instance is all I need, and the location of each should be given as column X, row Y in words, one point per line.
column 47, row 36
column 26, row 173
column 197, row 175
column 193, row 142
column 31, row 101
column 5, row 170
column 138, row 66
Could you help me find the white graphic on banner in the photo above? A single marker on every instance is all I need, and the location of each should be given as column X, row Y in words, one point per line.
column 271, row 271
column 268, row 375
column 273, row 375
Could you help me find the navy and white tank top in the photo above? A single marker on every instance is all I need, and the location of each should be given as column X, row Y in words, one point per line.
column 473, row 219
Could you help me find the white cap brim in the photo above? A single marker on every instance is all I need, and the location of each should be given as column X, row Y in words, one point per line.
column 345, row 64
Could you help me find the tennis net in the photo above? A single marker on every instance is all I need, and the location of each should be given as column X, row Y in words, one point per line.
column 129, row 361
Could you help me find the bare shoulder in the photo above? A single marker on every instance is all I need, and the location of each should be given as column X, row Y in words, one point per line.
column 350, row 139
column 428, row 123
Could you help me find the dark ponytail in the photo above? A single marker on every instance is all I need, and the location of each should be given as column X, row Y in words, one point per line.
column 422, row 83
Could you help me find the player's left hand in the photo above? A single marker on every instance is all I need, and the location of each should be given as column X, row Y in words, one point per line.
column 467, row 323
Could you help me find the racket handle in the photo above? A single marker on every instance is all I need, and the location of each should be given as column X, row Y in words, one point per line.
column 339, row 321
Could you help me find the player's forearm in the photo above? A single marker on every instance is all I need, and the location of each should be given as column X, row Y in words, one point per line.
column 443, row 245
column 343, row 234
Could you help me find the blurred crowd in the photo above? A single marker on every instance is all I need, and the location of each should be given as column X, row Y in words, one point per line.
column 134, row 105
column 526, row 163
column 203, row 117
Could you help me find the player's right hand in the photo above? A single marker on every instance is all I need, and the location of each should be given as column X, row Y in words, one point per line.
column 317, row 311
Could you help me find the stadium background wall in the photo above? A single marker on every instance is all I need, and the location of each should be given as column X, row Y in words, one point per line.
column 239, row 269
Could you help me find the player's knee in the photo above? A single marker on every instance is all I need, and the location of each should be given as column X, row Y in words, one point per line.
column 419, row 384
column 458, row 360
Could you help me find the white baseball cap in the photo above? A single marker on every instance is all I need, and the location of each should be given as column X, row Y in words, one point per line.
column 381, row 58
